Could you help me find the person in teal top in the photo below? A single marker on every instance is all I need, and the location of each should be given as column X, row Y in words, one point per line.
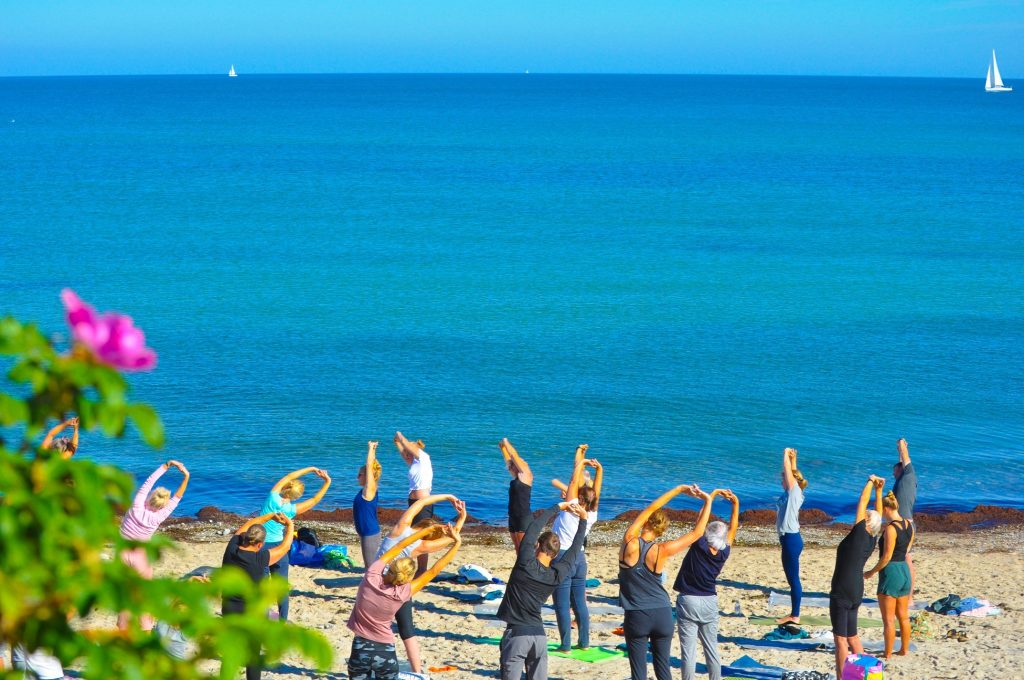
column 283, row 499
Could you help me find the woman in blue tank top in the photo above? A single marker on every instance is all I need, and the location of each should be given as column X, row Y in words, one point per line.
column 364, row 506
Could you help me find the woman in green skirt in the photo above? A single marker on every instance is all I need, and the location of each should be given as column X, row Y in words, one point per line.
column 894, row 575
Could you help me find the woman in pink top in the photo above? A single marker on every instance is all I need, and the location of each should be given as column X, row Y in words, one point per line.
column 387, row 585
column 147, row 513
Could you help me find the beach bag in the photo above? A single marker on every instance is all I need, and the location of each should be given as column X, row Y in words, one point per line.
column 863, row 667
column 304, row 554
column 336, row 557
column 307, row 535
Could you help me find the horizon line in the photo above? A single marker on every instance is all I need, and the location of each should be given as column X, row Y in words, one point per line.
column 489, row 73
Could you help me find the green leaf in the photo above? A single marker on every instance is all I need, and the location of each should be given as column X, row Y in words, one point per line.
column 148, row 424
column 12, row 411
column 111, row 418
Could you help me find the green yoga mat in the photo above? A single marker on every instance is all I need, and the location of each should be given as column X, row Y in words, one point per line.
column 813, row 621
column 592, row 655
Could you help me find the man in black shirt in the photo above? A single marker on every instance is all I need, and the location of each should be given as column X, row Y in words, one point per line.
column 531, row 583
column 247, row 551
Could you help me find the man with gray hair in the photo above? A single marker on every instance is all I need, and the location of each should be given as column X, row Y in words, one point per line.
column 697, row 603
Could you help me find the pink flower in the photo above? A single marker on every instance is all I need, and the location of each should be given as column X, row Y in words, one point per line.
column 111, row 337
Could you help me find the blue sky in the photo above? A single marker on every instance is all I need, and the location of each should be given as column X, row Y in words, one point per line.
column 792, row 37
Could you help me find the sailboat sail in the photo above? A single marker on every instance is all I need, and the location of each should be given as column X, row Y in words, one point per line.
column 997, row 81
column 993, row 81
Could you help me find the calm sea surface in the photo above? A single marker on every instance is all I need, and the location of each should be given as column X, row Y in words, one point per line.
column 688, row 273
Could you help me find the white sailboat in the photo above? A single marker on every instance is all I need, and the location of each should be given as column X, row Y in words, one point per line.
column 993, row 81
column 231, row 73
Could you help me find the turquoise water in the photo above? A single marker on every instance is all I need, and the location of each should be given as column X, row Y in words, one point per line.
column 688, row 273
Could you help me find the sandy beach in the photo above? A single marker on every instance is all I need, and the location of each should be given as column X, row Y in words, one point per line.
column 985, row 563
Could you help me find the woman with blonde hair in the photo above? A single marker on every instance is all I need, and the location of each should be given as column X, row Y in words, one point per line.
column 282, row 500
column 389, row 583
column 642, row 559
column 787, row 523
column 847, row 591
column 894, row 575
column 571, row 593
column 148, row 511
column 364, row 505
column 432, row 540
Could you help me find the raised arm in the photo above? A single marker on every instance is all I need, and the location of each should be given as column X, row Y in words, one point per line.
column 426, row 547
column 598, row 479
column 255, row 520
column 573, row 491
column 74, row 438
column 407, row 446
column 511, row 455
column 637, row 526
column 143, row 493
column 370, row 490
column 279, row 551
column 426, row 577
column 308, row 505
column 901, row 447
column 57, row 429
column 669, row 548
column 788, row 465
column 406, row 519
column 862, row 502
column 734, row 521
column 879, row 483
column 184, row 482
column 526, row 546
column 291, row 476
column 890, row 545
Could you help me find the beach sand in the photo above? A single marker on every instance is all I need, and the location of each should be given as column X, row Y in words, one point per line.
column 987, row 563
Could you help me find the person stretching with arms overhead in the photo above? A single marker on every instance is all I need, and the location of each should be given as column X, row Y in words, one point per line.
column 421, row 481
column 697, row 603
column 847, row 591
column 282, row 499
column 519, row 489
column 144, row 517
column 905, row 490
column 65, row 446
column 247, row 550
column 787, row 524
column 433, row 541
column 642, row 558
column 894, row 575
column 571, row 594
column 390, row 583
column 364, row 506
column 534, row 577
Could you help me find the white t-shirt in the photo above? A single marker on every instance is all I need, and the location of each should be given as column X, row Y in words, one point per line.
column 566, row 524
column 387, row 543
column 421, row 474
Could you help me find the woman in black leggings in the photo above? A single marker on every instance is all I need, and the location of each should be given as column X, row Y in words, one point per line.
column 519, row 489
column 648, row 612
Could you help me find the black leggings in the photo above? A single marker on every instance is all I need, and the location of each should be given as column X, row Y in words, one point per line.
column 654, row 626
column 234, row 607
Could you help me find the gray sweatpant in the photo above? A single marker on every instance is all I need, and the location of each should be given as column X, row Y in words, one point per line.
column 369, row 545
column 697, row 617
column 529, row 651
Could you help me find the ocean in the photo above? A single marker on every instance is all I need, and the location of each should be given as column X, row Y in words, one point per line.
column 689, row 273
